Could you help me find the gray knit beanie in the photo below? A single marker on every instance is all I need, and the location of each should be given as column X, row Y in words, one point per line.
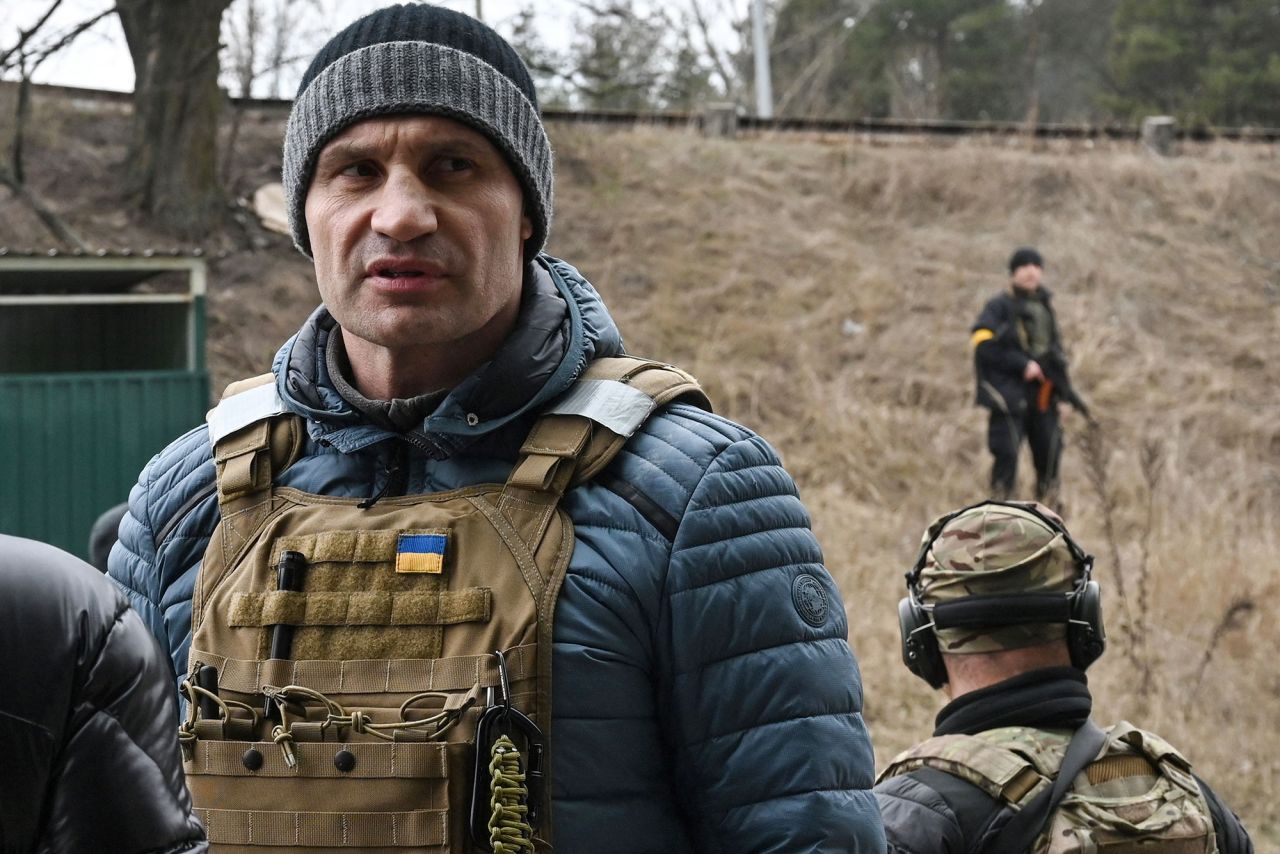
column 415, row 58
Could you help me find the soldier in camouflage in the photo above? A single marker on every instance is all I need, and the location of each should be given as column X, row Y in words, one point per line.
column 1018, row 694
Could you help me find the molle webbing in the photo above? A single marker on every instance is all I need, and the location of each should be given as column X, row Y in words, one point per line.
column 420, row 828
column 363, row 677
column 361, row 608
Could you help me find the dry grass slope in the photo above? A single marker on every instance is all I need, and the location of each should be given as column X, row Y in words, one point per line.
column 744, row 260
column 822, row 289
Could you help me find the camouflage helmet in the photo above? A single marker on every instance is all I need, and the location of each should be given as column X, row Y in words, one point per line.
column 996, row 549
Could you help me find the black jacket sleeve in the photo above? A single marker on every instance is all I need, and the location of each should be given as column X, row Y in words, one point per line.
column 917, row 820
column 1000, row 354
column 87, row 713
column 928, row 811
column 1232, row 837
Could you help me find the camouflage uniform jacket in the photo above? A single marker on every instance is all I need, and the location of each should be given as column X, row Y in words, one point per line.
column 931, row 811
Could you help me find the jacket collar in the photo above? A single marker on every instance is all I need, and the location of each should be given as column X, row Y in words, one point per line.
column 1047, row 698
column 563, row 325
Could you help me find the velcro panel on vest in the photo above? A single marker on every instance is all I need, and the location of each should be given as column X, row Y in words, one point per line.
column 1111, row 768
column 311, row 829
column 349, row 546
column 355, row 603
column 377, row 608
column 459, row 673
column 1000, row 773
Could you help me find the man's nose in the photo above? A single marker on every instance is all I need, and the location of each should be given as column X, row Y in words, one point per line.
column 405, row 209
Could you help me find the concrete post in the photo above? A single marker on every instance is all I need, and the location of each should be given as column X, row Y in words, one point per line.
column 1159, row 134
column 720, row 119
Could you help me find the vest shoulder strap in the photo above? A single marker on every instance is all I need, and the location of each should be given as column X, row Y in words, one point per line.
column 591, row 422
column 244, row 402
column 253, row 439
column 583, row 430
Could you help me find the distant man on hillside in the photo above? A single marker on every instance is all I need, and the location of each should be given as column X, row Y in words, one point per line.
column 1022, row 377
column 458, row 519
column 1002, row 614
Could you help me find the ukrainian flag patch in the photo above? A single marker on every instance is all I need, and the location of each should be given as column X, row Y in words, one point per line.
column 422, row 551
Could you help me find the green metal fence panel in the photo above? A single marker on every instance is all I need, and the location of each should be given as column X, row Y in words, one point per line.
column 72, row 444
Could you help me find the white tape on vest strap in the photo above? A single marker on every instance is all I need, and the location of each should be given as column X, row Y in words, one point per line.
column 243, row 409
column 618, row 406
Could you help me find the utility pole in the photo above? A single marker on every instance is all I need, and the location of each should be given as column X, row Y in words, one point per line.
column 479, row 10
column 764, row 85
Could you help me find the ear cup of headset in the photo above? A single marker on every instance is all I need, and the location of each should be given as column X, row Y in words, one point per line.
column 920, row 651
column 1086, row 636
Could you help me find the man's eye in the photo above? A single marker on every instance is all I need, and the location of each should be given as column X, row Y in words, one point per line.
column 453, row 164
column 363, row 169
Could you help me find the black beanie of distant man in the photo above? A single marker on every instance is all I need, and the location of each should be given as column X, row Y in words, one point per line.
column 1023, row 256
column 420, row 59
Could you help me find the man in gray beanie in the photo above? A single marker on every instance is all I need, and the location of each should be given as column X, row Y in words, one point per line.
column 456, row 492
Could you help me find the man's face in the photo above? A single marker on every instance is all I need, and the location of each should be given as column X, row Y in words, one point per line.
column 1027, row 277
column 417, row 228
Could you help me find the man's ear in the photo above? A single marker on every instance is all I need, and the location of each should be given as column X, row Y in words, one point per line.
column 526, row 227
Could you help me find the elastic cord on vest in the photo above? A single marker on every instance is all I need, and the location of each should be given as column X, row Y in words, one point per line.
column 509, row 830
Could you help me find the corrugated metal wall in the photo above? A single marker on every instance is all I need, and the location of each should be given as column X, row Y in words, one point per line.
column 123, row 337
column 72, row 444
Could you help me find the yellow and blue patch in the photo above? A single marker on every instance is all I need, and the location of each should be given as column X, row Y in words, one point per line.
column 422, row 551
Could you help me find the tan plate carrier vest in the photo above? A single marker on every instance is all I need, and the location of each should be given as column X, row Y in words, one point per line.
column 371, row 744
column 1138, row 797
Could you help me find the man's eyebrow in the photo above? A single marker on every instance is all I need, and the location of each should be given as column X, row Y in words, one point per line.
column 348, row 150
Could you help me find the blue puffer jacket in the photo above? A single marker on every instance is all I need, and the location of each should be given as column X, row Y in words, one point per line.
column 705, row 696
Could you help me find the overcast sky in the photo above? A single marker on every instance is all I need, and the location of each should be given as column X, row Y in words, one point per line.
column 100, row 60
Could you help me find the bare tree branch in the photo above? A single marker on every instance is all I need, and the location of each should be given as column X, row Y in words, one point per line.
column 51, row 220
column 20, row 123
column 730, row 80
column 68, row 37
column 25, row 35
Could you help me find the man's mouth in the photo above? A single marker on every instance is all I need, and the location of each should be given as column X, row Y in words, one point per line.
column 405, row 275
column 397, row 273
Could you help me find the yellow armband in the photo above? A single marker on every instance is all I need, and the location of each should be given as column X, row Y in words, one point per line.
column 980, row 335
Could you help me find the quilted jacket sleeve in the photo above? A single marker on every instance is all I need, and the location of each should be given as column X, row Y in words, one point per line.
column 172, row 513
column 83, row 674
column 918, row 819
column 764, row 695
